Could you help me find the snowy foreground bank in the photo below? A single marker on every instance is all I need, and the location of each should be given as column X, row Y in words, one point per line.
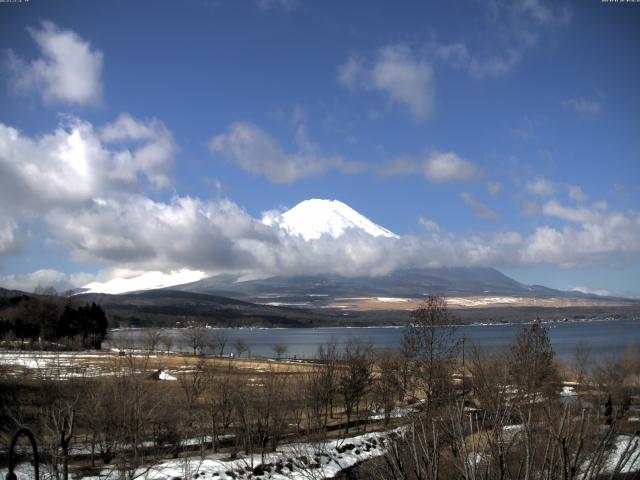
column 292, row 461
column 302, row 461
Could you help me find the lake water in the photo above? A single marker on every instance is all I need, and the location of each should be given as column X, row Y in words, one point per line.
column 604, row 337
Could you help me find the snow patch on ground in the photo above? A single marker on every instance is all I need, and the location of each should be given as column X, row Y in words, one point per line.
column 165, row 376
column 392, row 299
column 626, row 449
column 397, row 412
column 478, row 301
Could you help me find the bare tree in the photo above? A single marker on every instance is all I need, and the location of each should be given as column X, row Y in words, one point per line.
column 432, row 346
column 126, row 408
column 219, row 402
column 270, row 409
column 617, row 375
column 240, row 346
column 280, row 349
column 316, row 398
column 59, row 411
column 328, row 357
column 532, row 367
column 388, row 382
column 167, row 342
column 490, row 380
column 581, row 361
column 218, row 342
column 195, row 334
column 153, row 337
column 193, row 385
column 566, row 443
column 354, row 377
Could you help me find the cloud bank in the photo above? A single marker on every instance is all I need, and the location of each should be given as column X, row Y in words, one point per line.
column 86, row 186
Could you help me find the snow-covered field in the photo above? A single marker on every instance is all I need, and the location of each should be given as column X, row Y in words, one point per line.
column 481, row 301
column 58, row 364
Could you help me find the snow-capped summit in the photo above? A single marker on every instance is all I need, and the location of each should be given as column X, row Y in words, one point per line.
column 316, row 217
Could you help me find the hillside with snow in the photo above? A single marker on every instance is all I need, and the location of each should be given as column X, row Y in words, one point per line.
column 144, row 281
column 314, row 218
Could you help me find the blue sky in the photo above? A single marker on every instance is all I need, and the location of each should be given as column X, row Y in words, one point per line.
column 484, row 133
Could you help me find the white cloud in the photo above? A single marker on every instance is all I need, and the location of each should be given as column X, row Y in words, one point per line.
column 153, row 155
column 436, row 167
column 448, row 167
column 87, row 186
column 494, row 188
column 399, row 166
column 572, row 214
column 405, row 78
column 9, row 242
column 184, row 233
column 350, row 74
column 28, row 282
column 218, row 237
column 495, row 65
column 455, row 53
column 583, row 106
column 258, row 153
column 546, row 14
column 286, row 5
column 530, row 209
column 577, row 194
column 480, row 209
column 540, row 186
column 593, row 236
column 512, row 29
column 76, row 163
column 592, row 291
column 68, row 70
column 429, row 225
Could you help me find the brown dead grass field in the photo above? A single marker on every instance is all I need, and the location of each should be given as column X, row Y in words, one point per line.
column 104, row 363
column 176, row 362
column 480, row 302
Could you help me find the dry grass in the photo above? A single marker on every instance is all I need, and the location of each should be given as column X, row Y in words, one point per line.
column 480, row 302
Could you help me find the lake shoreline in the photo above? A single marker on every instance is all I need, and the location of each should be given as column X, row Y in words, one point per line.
column 478, row 324
column 607, row 336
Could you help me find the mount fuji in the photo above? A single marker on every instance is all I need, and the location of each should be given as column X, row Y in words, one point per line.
column 309, row 219
column 316, row 298
column 316, row 217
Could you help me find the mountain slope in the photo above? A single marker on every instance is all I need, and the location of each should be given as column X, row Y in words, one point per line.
column 175, row 308
column 144, row 281
column 411, row 283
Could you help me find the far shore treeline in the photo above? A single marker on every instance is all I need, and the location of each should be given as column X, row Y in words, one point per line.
column 52, row 321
